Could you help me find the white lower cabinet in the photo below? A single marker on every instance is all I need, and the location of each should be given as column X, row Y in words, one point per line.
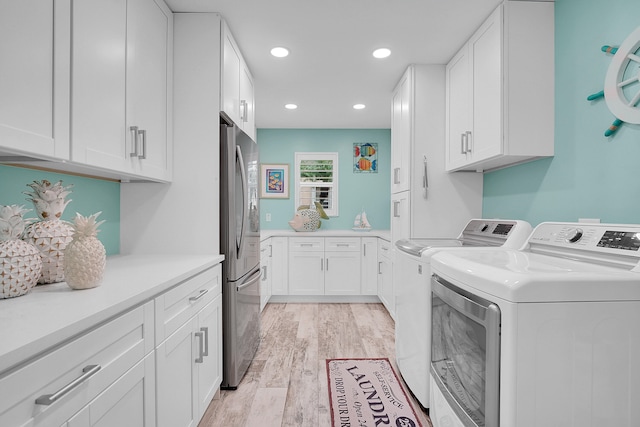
column 94, row 380
column 369, row 266
column 189, row 361
column 266, row 255
column 385, row 277
column 279, row 265
column 129, row 402
column 324, row 266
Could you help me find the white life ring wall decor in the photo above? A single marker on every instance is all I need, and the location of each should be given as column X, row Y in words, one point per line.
column 622, row 83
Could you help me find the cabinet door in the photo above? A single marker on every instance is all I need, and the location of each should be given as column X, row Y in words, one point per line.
column 401, row 133
column 306, row 272
column 369, row 267
column 128, row 402
column 98, row 66
column 266, row 251
column 209, row 366
column 231, row 63
column 385, row 285
column 400, row 216
column 485, row 50
column 342, row 273
column 175, row 359
column 34, row 77
column 458, row 107
column 149, row 35
column 280, row 266
column 247, row 102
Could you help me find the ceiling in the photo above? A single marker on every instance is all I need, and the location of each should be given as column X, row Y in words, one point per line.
column 330, row 67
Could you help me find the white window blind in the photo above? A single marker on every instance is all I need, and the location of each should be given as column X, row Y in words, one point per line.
column 317, row 180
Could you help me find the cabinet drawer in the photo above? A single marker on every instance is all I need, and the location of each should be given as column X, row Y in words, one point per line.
column 306, row 244
column 176, row 306
column 345, row 244
column 384, row 248
column 84, row 367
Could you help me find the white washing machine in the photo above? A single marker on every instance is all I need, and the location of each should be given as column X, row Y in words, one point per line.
column 548, row 335
column 412, row 289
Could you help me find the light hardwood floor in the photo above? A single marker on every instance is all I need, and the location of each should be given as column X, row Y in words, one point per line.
column 286, row 385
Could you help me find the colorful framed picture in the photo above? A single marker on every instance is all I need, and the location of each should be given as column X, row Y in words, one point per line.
column 274, row 181
column 365, row 157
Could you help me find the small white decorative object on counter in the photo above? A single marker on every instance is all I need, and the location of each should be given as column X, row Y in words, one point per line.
column 20, row 263
column 361, row 223
column 85, row 257
column 50, row 235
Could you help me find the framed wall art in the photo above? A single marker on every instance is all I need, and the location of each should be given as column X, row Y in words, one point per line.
column 274, row 181
column 365, row 158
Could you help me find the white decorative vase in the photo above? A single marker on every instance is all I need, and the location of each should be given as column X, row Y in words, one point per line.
column 20, row 262
column 84, row 257
column 50, row 235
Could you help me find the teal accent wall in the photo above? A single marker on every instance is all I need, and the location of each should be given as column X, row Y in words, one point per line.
column 590, row 176
column 356, row 190
column 88, row 197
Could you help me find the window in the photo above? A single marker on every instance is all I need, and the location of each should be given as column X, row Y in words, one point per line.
column 317, row 180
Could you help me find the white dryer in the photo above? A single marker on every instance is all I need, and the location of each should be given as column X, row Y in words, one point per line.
column 412, row 289
column 548, row 335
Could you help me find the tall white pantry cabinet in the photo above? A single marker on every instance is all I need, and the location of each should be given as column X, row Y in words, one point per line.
column 426, row 201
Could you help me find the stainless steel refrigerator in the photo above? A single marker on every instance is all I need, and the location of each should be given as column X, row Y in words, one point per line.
column 240, row 244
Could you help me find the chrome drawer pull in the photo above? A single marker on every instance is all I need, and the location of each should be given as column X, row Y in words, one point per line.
column 200, row 295
column 48, row 399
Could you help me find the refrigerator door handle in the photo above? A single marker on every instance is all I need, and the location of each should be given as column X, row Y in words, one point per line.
column 243, row 176
column 255, row 276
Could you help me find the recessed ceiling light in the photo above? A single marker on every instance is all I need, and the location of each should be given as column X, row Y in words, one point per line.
column 358, row 106
column 381, row 53
column 279, row 52
column 290, row 106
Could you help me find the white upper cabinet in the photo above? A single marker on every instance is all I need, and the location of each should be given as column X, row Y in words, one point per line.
column 34, row 78
column 121, row 80
column 401, row 133
column 500, row 90
column 236, row 89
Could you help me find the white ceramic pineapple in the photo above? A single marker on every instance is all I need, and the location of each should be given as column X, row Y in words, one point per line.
column 84, row 256
column 50, row 235
column 20, row 262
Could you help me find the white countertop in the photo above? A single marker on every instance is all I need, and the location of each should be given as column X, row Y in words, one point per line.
column 51, row 314
column 385, row 234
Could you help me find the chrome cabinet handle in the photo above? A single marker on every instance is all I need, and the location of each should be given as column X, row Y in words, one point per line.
column 396, row 213
column 342, row 245
column 321, row 264
column 134, row 140
column 396, row 176
column 206, row 340
column 327, row 264
column 264, row 273
column 468, row 141
column 243, row 112
column 143, row 134
column 200, row 295
column 48, row 399
column 379, row 265
column 200, row 336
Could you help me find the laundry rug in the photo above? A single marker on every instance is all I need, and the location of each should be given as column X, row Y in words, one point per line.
column 367, row 392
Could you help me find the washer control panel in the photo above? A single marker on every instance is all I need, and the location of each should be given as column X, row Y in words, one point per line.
column 623, row 239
